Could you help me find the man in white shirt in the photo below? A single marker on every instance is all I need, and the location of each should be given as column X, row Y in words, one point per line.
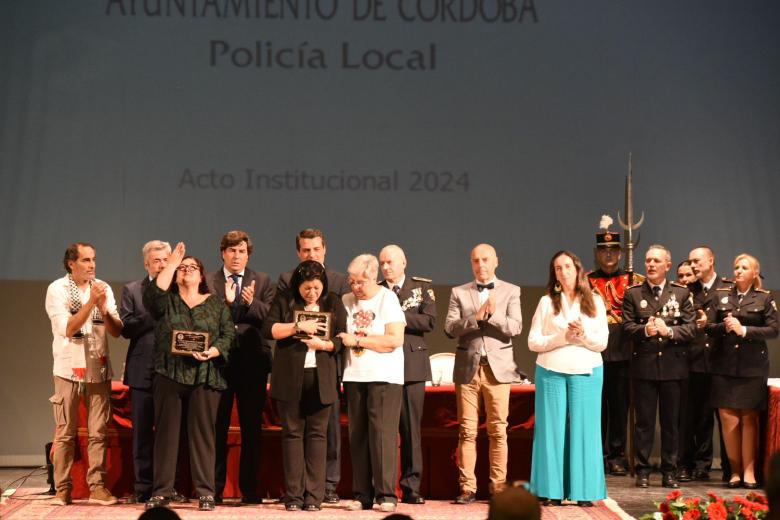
column 82, row 310
column 484, row 315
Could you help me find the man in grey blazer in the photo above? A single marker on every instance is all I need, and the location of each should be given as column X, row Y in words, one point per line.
column 483, row 315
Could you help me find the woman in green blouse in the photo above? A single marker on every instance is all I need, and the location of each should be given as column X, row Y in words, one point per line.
column 195, row 379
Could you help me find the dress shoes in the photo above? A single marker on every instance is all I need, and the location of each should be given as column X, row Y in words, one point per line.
column 734, row 484
column 750, row 485
column 684, row 475
column 158, row 501
column 617, row 469
column 312, row 507
column 292, row 506
column 206, row 503
column 668, row 481
column 547, row 502
column 331, row 497
column 179, row 498
column 585, row 503
column 466, row 497
column 642, row 481
column 701, row 474
column 413, row 498
column 387, row 507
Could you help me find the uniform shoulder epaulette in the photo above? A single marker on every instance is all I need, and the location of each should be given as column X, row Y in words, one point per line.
column 761, row 291
column 639, row 284
column 723, row 289
column 727, row 280
column 421, row 279
column 678, row 284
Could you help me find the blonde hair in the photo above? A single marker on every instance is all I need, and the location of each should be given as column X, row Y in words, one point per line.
column 753, row 263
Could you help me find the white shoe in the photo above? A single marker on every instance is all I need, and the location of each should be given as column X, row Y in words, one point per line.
column 387, row 507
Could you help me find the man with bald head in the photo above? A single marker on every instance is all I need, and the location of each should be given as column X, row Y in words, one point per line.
column 484, row 316
column 698, row 416
column 419, row 305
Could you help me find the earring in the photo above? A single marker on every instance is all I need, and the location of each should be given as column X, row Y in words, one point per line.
column 557, row 287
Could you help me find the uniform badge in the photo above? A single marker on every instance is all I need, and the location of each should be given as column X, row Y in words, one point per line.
column 414, row 300
column 774, row 306
column 431, row 295
column 725, row 299
column 643, row 304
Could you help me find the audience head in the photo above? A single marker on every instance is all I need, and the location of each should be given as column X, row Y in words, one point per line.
column 514, row 503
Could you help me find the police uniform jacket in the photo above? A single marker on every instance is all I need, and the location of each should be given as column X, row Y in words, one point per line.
column 419, row 305
column 735, row 355
column 659, row 358
column 701, row 346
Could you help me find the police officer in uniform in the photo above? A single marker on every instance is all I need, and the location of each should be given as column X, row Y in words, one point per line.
column 658, row 317
column 698, row 416
column 419, row 305
column 741, row 321
column 611, row 281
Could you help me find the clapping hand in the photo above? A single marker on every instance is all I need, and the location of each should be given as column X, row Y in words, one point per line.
column 701, row 319
column 733, row 325
column 248, row 293
column 575, row 331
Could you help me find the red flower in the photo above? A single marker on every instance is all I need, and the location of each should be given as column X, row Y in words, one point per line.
column 670, row 516
column 714, row 497
column 663, row 507
column 673, row 495
column 716, row 511
column 692, row 514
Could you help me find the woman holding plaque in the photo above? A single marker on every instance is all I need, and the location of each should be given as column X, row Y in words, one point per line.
column 569, row 330
column 305, row 321
column 741, row 319
column 373, row 380
column 193, row 335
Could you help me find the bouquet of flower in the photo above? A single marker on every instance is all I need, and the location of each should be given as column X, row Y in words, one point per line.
column 751, row 507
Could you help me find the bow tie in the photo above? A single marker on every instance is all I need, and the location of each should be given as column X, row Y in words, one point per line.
column 482, row 287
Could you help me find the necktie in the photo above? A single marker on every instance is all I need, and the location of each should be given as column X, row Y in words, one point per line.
column 656, row 292
column 740, row 297
column 237, row 299
column 482, row 287
column 397, row 291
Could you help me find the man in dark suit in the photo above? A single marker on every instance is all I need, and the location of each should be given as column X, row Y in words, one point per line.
column 484, row 315
column 419, row 305
column 310, row 245
column 249, row 295
column 138, row 327
column 698, row 416
column 658, row 317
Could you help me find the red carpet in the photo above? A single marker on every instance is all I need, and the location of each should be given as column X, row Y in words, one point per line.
column 30, row 507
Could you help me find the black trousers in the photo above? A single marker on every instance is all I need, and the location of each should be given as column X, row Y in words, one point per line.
column 247, row 385
column 697, row 422
column 412, row 402
column 614, row 411
column 333, row 455
column 374, row 412
column 142, row 415
column 664, row 396
column 304, row 443
column 202, row 403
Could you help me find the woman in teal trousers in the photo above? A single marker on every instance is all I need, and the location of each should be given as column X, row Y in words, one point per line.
column 569, row 330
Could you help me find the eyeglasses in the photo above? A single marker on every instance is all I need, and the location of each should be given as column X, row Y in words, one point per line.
column 188, row 268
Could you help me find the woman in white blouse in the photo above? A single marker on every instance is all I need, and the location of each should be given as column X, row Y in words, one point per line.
column 569, row 330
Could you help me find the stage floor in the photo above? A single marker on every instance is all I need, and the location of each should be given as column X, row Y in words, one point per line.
column 633, row 501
